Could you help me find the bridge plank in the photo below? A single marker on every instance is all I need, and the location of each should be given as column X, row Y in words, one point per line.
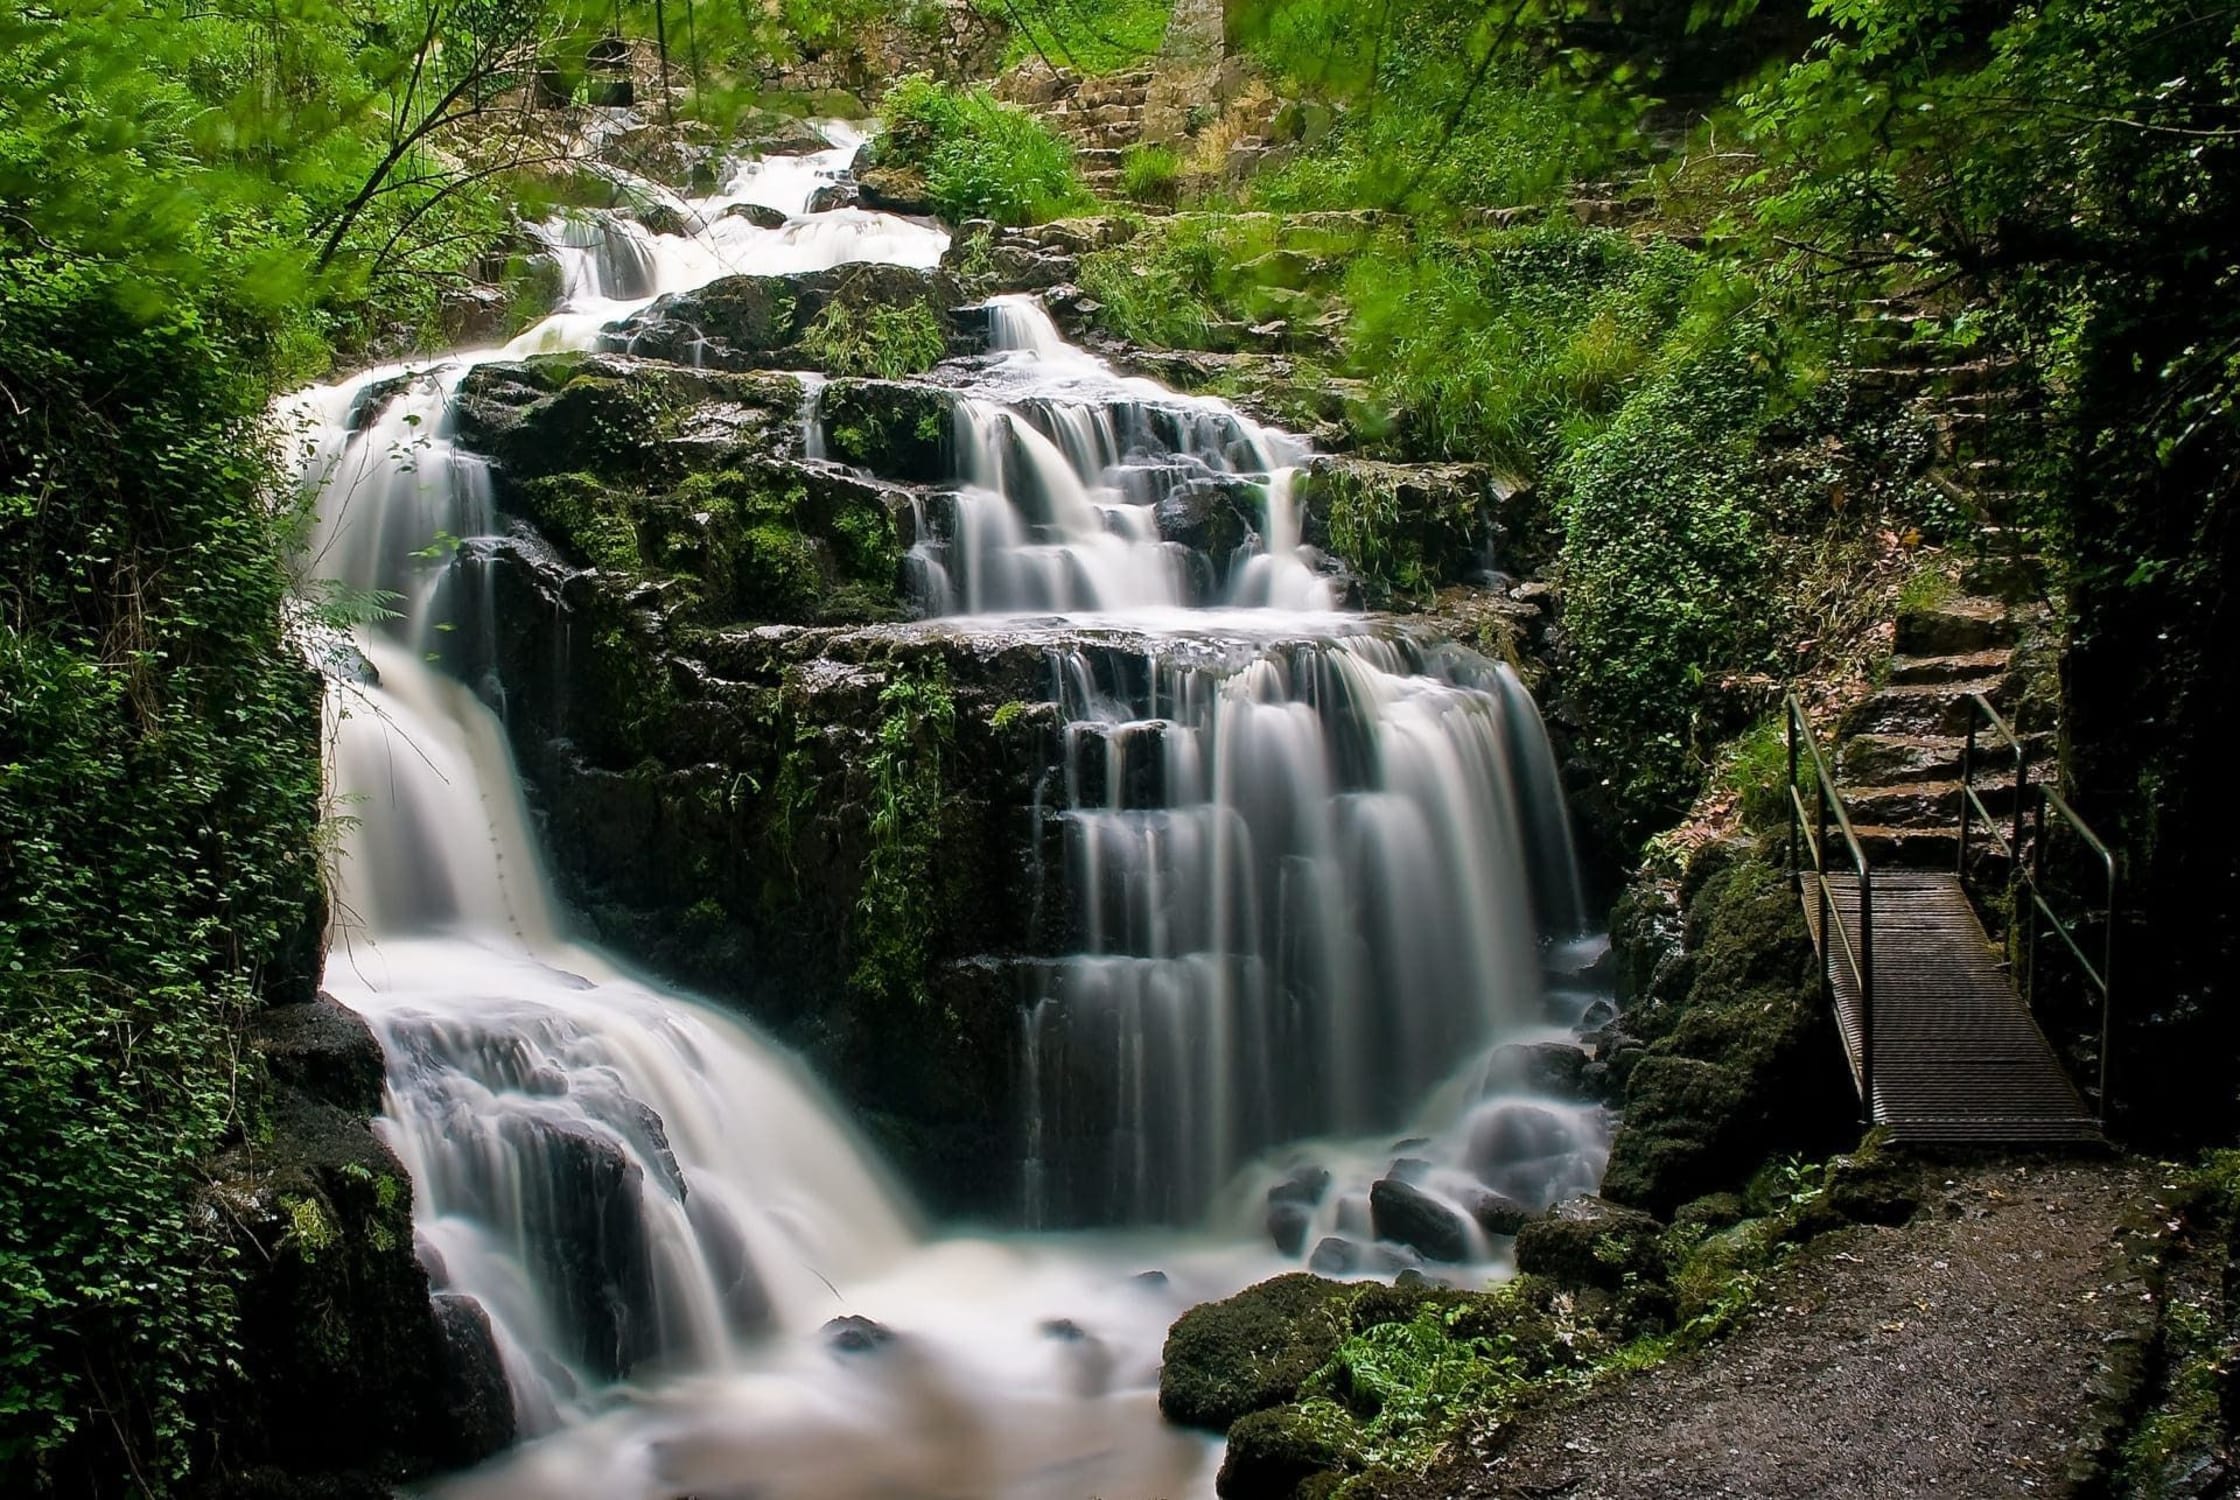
column 1957, row 1056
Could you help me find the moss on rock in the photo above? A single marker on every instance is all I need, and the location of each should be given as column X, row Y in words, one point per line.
column 1251, row 1351
column 1741, row 1060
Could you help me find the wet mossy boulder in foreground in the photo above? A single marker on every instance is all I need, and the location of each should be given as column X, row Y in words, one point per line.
column 1585, row 1242
column 1251, row 1351
column 1726, row 1048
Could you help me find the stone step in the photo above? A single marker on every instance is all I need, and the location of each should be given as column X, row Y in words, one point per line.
column 1957, row 625
column 1959, row 667
column 1924, row 805
column 1909, row 848
column 1920, row 708
column 1898, row 759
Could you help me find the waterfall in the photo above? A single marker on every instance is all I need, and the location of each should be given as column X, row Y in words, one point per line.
column 1305, row 884
column 1315, row 866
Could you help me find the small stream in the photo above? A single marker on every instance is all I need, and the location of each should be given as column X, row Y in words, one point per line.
column 1321, row 874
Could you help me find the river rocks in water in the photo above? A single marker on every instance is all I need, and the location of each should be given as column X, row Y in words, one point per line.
column 833, row 196
column 1288, row 1224
column 1407, row 1215
column 474, row 1388
column 770, row 133
column 1496, row 1214
column 662, row 218
column 1224, row 1359
column 1589, row 1241
column 1335, row 1256
column 1556, row 1070
column 766, row 322
column 763, row 216
column 856, row 1334
column 895, row 190
column 1306, row 1185
column 1209, row 515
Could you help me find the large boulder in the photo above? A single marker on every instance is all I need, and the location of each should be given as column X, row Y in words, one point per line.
column 474, row 1390
column 1251, row 1351
column 791, row 322
column 1407, row 1215
column 1589, row 1242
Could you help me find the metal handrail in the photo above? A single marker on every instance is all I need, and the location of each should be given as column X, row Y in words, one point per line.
column 2029, row 872
column 1826, row 800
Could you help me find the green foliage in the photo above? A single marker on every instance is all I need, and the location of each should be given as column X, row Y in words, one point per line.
column 159, row 784
column 1086, row 36
column 1402, row 1386
column 891, row 934
column 980, row 159
column 1666, row 585
column 1151, row 173
column 1450, row 106
column 875, row 339
column 1518, row 347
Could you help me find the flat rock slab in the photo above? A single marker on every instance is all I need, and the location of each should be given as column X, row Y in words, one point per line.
column 1978, row 1351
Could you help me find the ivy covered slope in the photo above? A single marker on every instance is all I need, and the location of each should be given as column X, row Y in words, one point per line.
column 202, row 1255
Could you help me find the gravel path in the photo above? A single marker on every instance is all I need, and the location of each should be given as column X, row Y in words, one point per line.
column 1971, row 1353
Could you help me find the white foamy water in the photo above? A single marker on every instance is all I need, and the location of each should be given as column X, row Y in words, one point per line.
column 1313, row 869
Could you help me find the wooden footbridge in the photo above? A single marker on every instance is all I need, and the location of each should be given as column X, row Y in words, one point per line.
column 1941, row 1039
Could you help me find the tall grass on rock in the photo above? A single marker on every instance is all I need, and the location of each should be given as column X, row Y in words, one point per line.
column 980, row 159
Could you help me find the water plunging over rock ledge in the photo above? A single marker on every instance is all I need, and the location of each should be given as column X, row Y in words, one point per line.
column 994, row 735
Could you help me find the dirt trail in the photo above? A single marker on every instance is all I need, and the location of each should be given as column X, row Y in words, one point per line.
column 1982, row 1350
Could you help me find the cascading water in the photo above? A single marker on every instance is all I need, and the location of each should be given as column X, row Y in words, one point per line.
column 1311, row 864
column 1306, row 880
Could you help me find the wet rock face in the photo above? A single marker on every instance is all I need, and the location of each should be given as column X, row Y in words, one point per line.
column 473, row 1387
column 354, row 1377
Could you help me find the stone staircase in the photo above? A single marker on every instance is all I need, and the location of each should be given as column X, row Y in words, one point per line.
column 1101, row 117
column 1899, row 752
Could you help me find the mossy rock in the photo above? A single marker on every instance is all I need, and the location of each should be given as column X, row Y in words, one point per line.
column 1252, row 1351
column 793, row 322
column 1404, row 530
column 1590, row 1242
column 1280, row 1454
column 623, row 420
column 1742, row 1062
column 896, row 430
column 1687, row 1132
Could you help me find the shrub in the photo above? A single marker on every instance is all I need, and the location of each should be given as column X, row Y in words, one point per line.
column 980, row 159
column 1151, row 173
